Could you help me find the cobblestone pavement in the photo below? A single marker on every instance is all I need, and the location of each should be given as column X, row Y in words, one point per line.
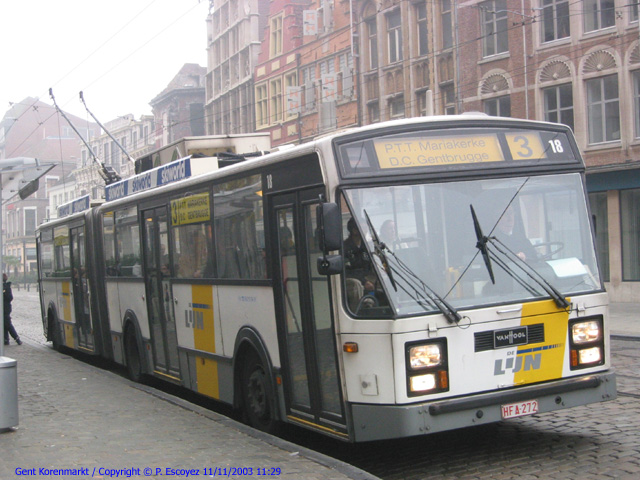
column 596, row 441
column 74, row 415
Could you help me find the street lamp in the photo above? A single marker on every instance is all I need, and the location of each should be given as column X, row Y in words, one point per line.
column 18, row 176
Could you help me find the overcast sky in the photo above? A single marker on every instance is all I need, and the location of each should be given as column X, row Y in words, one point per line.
column 120, row 54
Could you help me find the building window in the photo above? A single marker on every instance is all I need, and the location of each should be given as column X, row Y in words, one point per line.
column 448, row 100
column 555, row 20
column 396, row 107
column 634, row 11
column 309, row 83
column 291, row 87
column 558, row 104
column 275, row 87
column 275, row 46
column 447, row 30
column 636, row 97
column 598, row 204
column 423, row 33
column 30, row 222
column 346, row 75
column 603, row 107
column 498, row 107
column 495, row 27
column 262, row 106
column 630, row 223
column 598, row 14
column 421, row 98
column 372, row 34
column 373, row 110
column 394, row 29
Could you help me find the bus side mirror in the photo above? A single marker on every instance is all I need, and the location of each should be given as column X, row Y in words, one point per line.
column 329, row 226
column 330, row 264
column 329, row 238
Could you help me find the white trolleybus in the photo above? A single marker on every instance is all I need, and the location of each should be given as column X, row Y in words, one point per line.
column 393, row 280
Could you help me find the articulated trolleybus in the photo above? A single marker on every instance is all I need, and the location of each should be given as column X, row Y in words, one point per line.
column 398, row 279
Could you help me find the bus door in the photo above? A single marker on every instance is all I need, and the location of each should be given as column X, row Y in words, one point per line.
column 80, row 289
column 308, row 348
column 162, row 324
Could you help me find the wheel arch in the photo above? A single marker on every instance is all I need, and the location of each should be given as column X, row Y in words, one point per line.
column 131, row 326
column 249, row 341
column 52, row 316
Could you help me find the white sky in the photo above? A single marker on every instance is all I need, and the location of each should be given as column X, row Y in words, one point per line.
column 120, row 53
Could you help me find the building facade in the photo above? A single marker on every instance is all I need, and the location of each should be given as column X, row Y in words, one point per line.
column 136, row 137
column 234, row 33
column 178, row 110
column 33, row 129
column 305, row 77
column 577, row 63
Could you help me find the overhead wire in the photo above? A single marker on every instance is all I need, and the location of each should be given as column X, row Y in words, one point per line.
column 431, row 56
column 111, row 68
column 514, row 73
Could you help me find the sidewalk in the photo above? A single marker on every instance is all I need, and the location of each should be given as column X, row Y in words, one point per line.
column 625, row 320
column 74, row 415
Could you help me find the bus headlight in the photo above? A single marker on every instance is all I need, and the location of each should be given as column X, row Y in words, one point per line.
column 586, row 339
column 585, row 332
column 426, row 366
column 422, row 356
column 422, row 383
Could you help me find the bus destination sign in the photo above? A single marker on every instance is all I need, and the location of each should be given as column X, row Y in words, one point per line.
column 456, row 150
column 434, row 151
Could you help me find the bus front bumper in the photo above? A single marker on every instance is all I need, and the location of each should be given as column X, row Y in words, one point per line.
column 377, row 422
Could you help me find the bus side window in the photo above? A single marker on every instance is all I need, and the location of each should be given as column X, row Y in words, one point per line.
column 239, row 229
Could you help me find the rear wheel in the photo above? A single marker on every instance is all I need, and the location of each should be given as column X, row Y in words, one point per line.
column 257, row 400
column 132, row 354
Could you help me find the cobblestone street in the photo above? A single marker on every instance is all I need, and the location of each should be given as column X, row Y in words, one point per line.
column 592, row 442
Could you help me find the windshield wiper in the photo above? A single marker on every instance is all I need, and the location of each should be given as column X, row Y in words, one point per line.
column 438, row 301
column 483, row 240
column 531, row 272
column 410, row 277
column 379, row 248
column 482, row 244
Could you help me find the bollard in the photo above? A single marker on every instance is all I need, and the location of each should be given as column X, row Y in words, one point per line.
column 8, row 393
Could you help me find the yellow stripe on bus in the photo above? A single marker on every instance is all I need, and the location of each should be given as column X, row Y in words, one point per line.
column 66, row 298
column 543, row 361
column 204, row 339
column 68, row 335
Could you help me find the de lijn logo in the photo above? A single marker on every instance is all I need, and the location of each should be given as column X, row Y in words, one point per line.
column 521, row 362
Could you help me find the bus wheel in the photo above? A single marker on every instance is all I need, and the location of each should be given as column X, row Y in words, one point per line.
column 258, row 403
column 132, row 354
column 53, row 332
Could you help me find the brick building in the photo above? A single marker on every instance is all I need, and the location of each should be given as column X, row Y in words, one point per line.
column 33, row 129
column 329, row 64
column 179, row 109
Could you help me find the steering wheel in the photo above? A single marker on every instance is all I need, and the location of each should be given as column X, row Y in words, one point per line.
column 554, row 247
column 367, row 301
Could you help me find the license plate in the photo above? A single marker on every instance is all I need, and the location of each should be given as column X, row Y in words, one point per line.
column 520, row 409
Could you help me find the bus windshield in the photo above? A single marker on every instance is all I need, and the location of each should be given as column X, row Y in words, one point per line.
column 430, row 240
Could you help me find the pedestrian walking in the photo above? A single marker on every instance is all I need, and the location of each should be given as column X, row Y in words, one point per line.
column 7, row 295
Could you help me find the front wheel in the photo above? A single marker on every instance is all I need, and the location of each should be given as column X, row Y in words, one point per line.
column 257, row 401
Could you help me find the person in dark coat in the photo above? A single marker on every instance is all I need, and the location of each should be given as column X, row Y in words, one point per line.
column 8, row 326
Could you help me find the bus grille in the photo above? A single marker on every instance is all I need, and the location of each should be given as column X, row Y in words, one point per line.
column 484, row 340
